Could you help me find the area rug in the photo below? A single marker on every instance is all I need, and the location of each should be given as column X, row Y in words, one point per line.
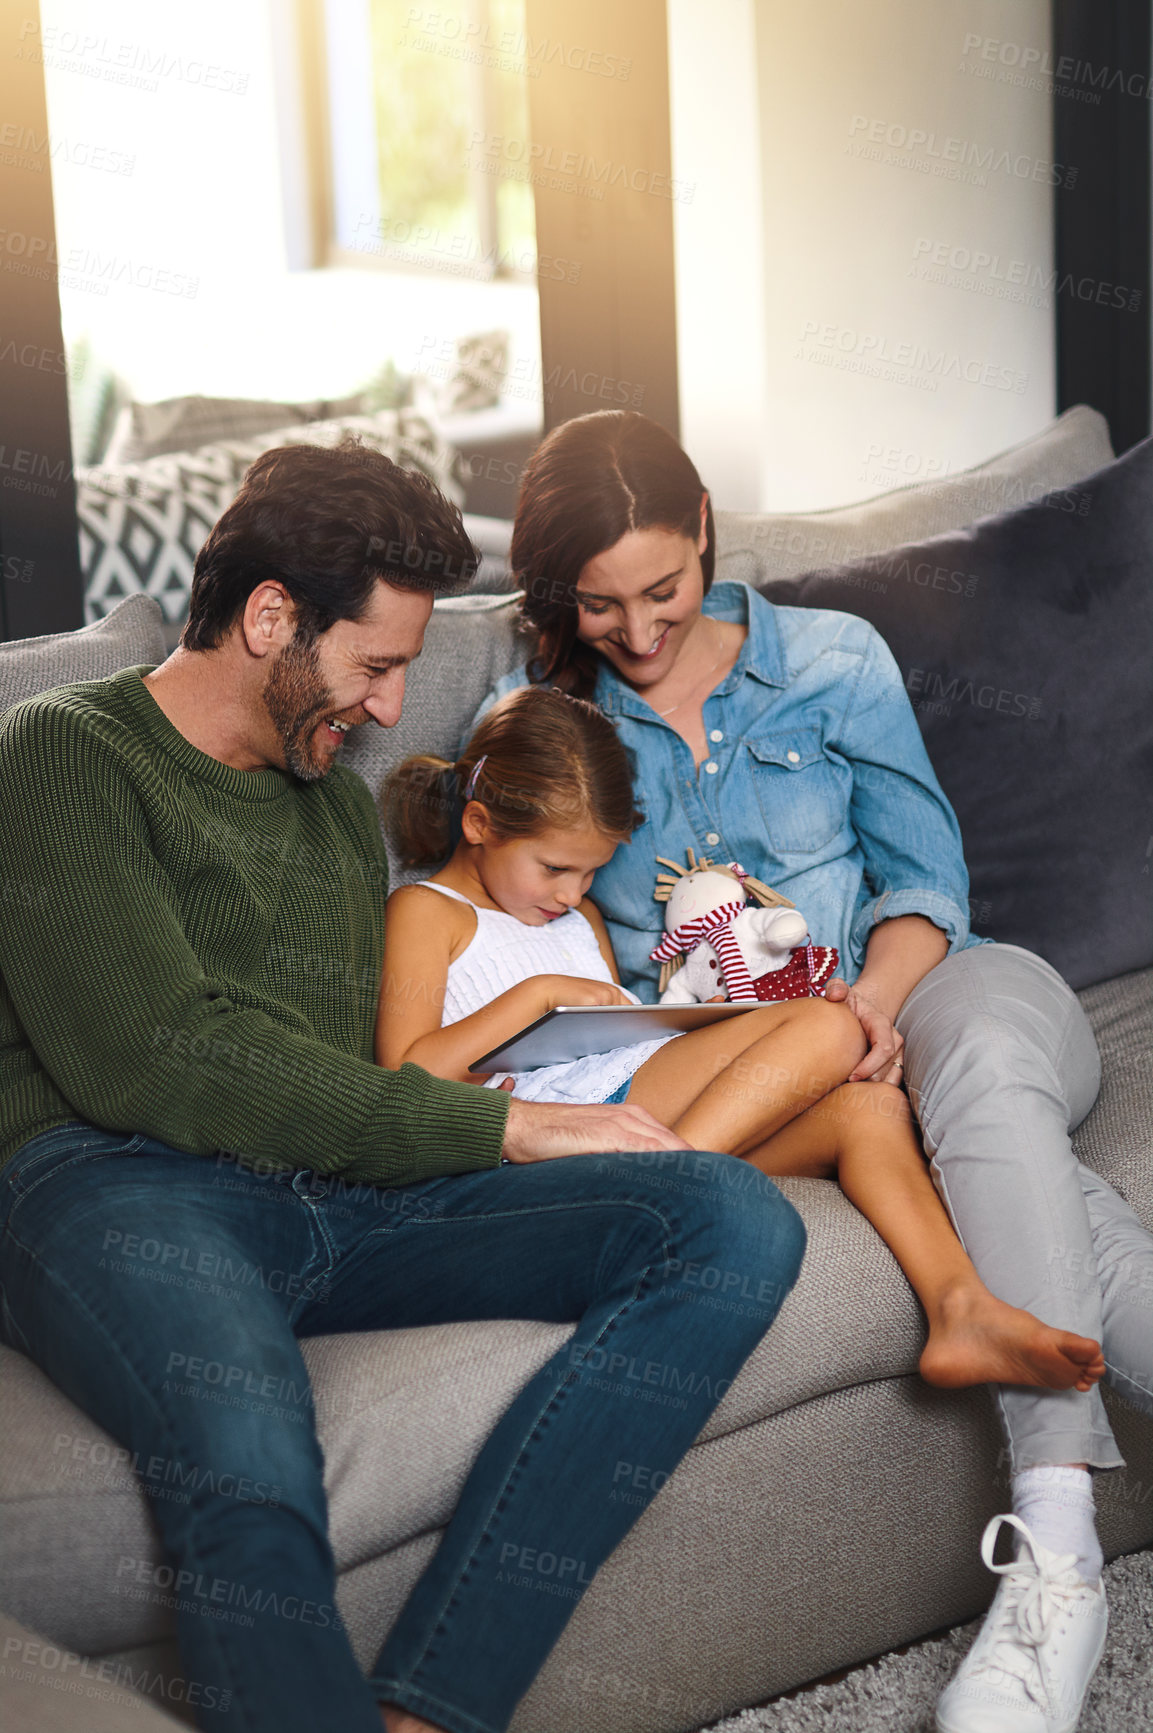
column 897, row 1694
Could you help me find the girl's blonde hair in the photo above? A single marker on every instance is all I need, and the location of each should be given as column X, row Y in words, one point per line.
column 550, row 762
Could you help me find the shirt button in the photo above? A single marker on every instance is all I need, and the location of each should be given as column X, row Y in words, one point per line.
column 794, row 757
column 711, row 768
column 717, row 735
column 712, row 839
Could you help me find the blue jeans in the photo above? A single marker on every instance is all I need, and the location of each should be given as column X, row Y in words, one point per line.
column 114, row 1277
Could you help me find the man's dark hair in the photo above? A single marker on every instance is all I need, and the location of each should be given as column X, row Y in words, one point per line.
column 328, row 523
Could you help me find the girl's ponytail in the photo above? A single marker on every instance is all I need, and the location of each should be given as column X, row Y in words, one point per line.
column 419, row 800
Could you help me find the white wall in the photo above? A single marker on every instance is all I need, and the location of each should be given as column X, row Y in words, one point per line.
column 718, row 245
column 178, row 270
column 864, row 371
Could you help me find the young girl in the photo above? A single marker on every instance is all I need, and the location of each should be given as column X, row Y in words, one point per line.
column 505, row 932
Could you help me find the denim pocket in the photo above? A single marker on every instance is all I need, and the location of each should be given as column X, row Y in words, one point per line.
column 63, row 1146
column 802, row 793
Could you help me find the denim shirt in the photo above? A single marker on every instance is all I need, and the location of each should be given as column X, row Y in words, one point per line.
column 818, row 783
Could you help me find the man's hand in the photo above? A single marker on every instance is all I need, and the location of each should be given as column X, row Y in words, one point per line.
column 883, row 1062
column 543, row 1130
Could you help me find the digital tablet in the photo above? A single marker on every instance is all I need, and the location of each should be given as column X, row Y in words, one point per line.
column 575, row 1031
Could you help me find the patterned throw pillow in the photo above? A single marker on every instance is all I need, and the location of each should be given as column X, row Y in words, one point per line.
column 479, row 373
column 142, row 524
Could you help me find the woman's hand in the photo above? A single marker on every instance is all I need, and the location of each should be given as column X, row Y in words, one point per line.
column 883, row 1063
column 578, row 990
column 900, row 952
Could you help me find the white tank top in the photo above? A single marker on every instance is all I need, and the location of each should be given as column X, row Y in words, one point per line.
column 501, row 954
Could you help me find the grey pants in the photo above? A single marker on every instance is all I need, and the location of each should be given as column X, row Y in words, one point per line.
column 1001, row 1066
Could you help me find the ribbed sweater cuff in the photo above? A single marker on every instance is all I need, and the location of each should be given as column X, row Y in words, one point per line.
column 452, row 1128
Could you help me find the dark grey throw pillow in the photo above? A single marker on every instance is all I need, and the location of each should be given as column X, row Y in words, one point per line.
column 1026, row 647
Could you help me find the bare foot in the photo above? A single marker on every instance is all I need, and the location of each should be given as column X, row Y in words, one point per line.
column 396, row 1720
column 977, row 1339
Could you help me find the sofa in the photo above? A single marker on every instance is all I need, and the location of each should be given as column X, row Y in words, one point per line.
column 832, row 1507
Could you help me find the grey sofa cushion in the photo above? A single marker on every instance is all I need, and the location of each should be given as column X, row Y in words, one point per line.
column 130, row 635
column 756, row 547
column 1114, row 1140
column 1026, row 644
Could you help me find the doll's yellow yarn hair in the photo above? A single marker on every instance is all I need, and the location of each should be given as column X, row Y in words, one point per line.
column 756, row 888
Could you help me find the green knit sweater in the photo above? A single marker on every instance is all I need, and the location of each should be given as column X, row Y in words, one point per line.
column 194, row 952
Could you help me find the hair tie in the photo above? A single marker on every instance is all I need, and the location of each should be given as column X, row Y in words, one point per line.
column 470, row 785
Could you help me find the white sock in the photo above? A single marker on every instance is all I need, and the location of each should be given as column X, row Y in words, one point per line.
column 1056, row 1505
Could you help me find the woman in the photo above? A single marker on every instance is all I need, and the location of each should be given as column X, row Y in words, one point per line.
column 783, row 738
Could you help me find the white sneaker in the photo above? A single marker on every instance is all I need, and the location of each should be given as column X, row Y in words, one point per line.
column 1038, row 1649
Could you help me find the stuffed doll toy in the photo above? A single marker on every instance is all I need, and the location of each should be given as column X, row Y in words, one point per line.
column 716, row 946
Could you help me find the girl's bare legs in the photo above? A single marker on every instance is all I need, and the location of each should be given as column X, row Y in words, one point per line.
column 863, row 1134
column 730, row 1086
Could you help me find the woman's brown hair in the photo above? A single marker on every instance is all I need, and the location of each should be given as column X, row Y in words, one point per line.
column 588, row 484
column 538, row 760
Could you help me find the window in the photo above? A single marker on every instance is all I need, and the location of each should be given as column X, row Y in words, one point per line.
column 428, row 121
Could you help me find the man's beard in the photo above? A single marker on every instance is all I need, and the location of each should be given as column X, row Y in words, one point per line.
column 297, row 699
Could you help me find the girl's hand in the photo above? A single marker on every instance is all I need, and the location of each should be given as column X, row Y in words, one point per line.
column 883, row 1063
column 578, row 990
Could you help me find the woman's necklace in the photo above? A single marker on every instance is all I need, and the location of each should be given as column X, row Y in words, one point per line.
column 702, row 678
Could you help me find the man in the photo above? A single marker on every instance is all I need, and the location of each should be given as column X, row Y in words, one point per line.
column 186, row 1057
